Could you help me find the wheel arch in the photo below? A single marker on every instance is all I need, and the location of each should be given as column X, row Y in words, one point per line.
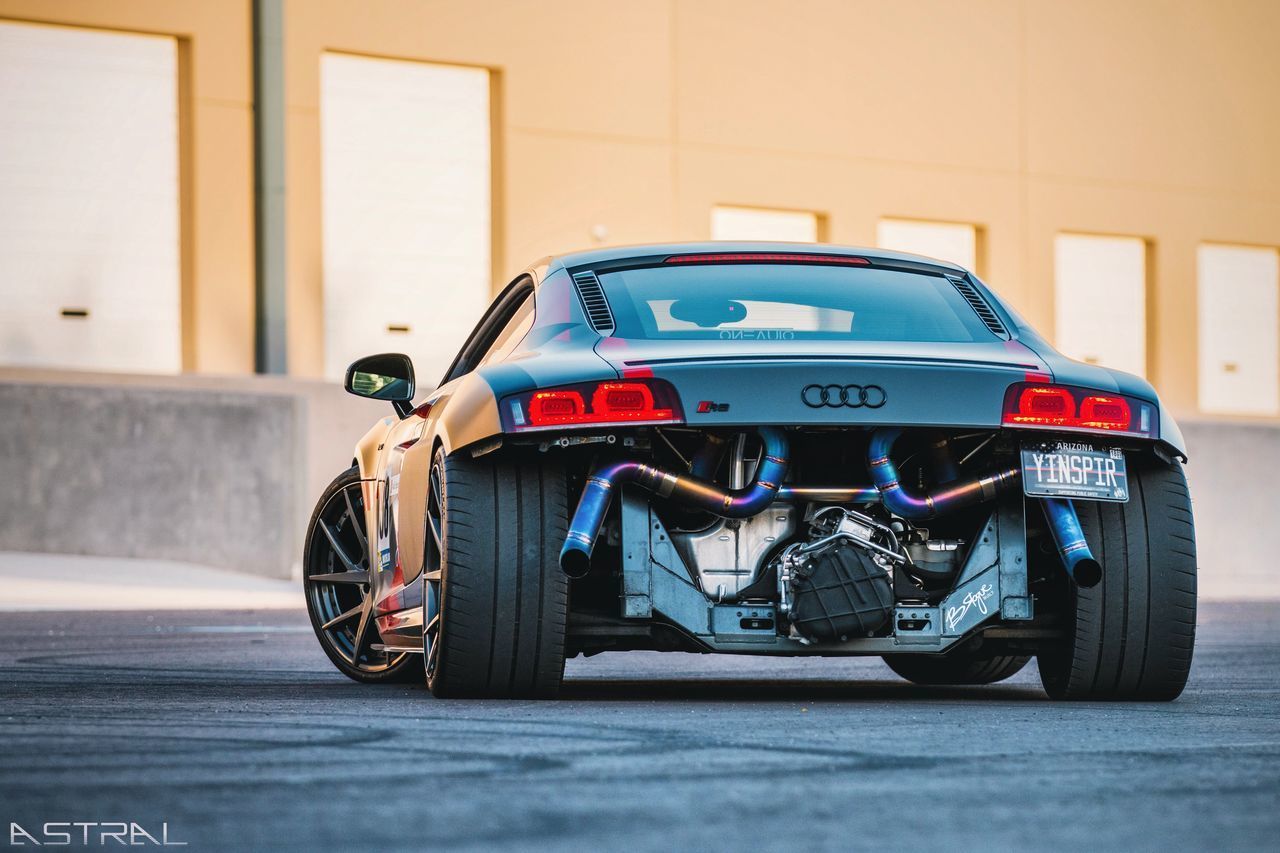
column 465, row 415
column 370, row 444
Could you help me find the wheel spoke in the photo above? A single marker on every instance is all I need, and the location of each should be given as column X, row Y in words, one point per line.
column 433, row 656
column 337, row 549
column 361, row 630
column 433, row 498
column 433, row 524
column 357, row 521
column 341, row 577
column 432, row 625
column 432, row 576
column 344, row 616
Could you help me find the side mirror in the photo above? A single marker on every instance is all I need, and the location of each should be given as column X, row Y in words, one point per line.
column 388, row 376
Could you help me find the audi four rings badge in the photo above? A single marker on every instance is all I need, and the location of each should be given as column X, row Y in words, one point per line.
column 849, row 396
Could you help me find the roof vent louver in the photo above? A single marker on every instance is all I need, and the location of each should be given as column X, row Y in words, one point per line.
column 593, row 301
column 980, row 307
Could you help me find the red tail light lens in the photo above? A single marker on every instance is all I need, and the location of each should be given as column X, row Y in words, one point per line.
column 625, row 402
column 1047, row 405
column 1101, row 412
column 549, row 407
column 1043, row 406
column 626, row 399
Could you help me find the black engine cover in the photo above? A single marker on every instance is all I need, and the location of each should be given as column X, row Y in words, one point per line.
column 841, row 593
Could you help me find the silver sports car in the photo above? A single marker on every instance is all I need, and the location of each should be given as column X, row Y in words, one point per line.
column 757, row 448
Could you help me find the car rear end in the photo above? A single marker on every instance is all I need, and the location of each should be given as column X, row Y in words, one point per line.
column 866, row 453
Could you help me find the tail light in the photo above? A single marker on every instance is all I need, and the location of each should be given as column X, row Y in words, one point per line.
column 616, row 403
column 1067, row 407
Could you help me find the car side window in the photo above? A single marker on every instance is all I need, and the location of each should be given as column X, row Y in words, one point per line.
column 512, row 333
column 502, row 317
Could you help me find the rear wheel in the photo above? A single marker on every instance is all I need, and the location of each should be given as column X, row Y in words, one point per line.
column 495, row 606
column 955, row 668
column 1132, row 635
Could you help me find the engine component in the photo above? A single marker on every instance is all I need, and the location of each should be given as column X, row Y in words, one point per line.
column 837, row 585
column 729, row 556
column 951, row 496
column 741, row 501
column 575, row 556
column 830, row 494
column 838, row 593
column 935, row 559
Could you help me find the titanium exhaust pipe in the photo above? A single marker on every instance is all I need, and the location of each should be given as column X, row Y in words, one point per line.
column 1068, row 536
column 575, row 556
column 693, row 490
column 1064, row 524
column 950, row 496
column 831, row 494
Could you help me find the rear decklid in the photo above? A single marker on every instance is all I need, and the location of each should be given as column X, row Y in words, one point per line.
column 831, row 382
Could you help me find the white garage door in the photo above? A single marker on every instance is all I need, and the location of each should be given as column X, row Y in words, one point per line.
column 1100, row 300
column 757, row 223
column 89, row 237
column 947, row 241
column 406, row 209
column 1239, row 299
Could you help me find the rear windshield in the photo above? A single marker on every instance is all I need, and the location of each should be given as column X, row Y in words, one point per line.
column 788, row 302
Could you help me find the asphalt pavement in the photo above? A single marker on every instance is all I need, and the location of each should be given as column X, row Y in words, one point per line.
column 232, row 729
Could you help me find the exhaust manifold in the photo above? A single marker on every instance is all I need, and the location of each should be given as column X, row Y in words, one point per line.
column 695, row 491
column 575, row 556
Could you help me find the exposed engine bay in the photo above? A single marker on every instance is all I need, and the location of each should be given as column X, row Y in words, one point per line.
column 830, row 568
column 814, row 534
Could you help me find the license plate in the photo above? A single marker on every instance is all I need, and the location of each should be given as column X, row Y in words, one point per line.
column 1071, row 470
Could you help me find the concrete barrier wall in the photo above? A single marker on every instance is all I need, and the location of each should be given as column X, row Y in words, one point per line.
column 208, row 477
column 220, row 472
column 1234, row 472
column 225, row 472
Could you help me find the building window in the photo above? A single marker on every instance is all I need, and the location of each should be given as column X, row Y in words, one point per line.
column 406, row 206
column 90, row 258
column 1239, row 316
column 758, row 223
column 956, row 242
column 1100, row 300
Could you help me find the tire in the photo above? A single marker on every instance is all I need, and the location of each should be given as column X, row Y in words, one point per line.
column 955, row 668
column 1131, row 637
column 331, row 566
column 503, row 601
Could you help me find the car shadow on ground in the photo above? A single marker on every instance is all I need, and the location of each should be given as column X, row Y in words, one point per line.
column 787, row 690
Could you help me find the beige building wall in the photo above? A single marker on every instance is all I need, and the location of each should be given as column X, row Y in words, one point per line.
column 1153, row 119
column 623, row 122
column 215, row 110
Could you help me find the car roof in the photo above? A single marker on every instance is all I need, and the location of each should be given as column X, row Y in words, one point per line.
column 590, row 257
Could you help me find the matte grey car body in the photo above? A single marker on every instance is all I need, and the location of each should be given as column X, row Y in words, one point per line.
column 558, row 327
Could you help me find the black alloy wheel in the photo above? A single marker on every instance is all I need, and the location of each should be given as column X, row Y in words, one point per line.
column 336, row 580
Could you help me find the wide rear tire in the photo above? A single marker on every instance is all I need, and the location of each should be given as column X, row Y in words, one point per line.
column 955, row 668
column 1131, row 637
column 503, row 601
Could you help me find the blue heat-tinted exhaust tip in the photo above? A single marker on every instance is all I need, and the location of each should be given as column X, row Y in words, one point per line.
column 575, row 559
